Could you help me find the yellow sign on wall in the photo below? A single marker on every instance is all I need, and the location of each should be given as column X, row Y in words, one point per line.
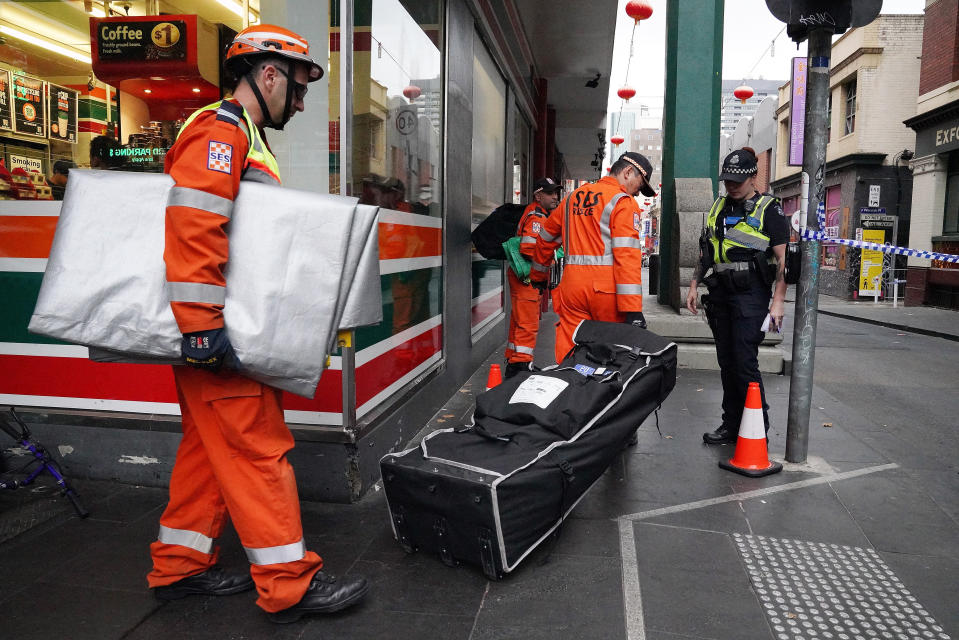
column 870, row 267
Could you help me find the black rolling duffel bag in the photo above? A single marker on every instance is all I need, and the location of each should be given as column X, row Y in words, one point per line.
column 489, row 493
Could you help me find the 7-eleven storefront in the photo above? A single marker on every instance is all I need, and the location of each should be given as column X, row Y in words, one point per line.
column 377, row 127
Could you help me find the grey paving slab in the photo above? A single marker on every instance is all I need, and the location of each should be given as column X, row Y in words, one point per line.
column 942, row 486
column 420, row 583
column 120, row 503
column 896, row 515
column 124, row 549
column 233, row 617
column 54, row 610
column 693, row 583
column 39, row 553
column 551, row 597
column 588, row 537
column 814, row 514
column 934, row 581
column 726, row 517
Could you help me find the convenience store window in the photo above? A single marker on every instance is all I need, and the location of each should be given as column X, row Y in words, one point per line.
column 489, row 178
column 108, row 85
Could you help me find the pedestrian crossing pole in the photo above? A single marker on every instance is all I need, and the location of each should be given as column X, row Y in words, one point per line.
column 807, row 289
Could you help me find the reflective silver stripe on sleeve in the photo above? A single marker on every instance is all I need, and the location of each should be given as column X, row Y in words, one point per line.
column 547, row 236
column 629, row 289
column 528, row 240
column 276, row 555
column 590, row 261
column 538, row 267
column 627, row 243
column 258, row 175
column 510, row 345
column 747, row 240
column 525, row 350
column 196, row 292
column 185, row 538
column 187, row 197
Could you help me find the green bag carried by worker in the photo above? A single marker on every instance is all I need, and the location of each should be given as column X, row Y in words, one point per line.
column 519, row 263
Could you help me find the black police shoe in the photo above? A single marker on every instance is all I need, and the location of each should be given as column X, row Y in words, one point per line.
column 325, row 594
column 215, row 581
column 512, row 368
column 722, row 435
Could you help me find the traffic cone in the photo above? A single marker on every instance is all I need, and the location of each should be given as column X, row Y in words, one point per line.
column 495, row 376
column 751, row 458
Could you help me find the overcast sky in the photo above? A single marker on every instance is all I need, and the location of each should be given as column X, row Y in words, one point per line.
column 749, row 29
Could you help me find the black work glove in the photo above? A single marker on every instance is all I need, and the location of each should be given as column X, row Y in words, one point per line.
column 209, row 349
column 636, row 319
column 539, row 285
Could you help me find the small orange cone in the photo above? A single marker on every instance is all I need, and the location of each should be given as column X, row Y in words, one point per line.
column 495, row 376
column 751, row 458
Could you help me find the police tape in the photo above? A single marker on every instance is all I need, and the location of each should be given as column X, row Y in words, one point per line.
column 821, row 236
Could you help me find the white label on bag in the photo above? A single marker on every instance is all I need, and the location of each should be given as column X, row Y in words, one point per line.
column 538, row 390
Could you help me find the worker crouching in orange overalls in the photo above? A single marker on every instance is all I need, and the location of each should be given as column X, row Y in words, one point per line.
column 231, row 462
column 598, row 226
column 525, row 298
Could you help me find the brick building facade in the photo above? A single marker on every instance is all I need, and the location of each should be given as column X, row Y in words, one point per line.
column 935, row 201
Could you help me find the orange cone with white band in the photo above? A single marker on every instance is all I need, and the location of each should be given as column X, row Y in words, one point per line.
column 495, row 376
column 751, row 458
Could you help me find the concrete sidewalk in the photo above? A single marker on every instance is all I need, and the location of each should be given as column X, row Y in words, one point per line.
column 930, row 321
column 861, row 542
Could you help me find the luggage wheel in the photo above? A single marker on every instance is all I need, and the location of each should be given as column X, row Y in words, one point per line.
column 487, row 555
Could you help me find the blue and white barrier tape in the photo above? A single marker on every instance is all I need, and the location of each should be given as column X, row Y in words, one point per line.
column 809, row 234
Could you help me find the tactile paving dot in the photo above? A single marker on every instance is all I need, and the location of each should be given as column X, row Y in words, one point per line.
column 813, row 591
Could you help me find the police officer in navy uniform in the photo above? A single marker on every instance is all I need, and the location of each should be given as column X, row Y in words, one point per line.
column 743, row 256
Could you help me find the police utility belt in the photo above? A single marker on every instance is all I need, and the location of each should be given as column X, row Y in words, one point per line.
column 738, row 276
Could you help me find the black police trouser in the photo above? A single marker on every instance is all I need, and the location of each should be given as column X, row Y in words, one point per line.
column 736, row 319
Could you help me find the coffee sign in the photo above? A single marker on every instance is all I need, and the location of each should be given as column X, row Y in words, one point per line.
column 29, row 115
column 142, row 40
column 6, row 114
column 62, row 107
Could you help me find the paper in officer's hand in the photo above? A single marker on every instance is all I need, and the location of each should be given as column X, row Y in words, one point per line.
column 767, row 322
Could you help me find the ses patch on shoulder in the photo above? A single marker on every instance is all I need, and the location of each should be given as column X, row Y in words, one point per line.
column 220, row 157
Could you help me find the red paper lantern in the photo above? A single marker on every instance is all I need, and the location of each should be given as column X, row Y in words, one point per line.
column 617, row 140
column 743, row 92
column 516, row 192
column 638, row 10
column 412, row 92
column 626, row 93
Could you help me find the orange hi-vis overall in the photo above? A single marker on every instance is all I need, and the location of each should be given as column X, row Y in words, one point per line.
column 524, row 298
column 598, row 226
column 231, row 462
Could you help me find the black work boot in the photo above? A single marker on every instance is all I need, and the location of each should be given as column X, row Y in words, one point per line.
column 512, row 368
column 215, row 581
column 325, row 594
column 722, row 435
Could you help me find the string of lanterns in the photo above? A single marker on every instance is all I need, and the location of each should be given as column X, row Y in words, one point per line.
column 637, row 10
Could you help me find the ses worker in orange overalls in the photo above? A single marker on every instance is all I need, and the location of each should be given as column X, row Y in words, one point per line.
column 598, row 226
column 231, row 462
column 524, row 298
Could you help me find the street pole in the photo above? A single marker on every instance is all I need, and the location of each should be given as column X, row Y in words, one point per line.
column 807, row 290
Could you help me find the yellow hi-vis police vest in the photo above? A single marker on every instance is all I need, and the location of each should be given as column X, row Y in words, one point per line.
column 259, row 164
column 745, row 234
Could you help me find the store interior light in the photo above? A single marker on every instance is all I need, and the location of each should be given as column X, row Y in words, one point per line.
column 148, row 91
column 196, row 90
column 46, row 44
column 237, row 8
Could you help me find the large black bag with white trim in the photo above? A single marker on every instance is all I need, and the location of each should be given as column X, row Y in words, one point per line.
column 490, row 493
